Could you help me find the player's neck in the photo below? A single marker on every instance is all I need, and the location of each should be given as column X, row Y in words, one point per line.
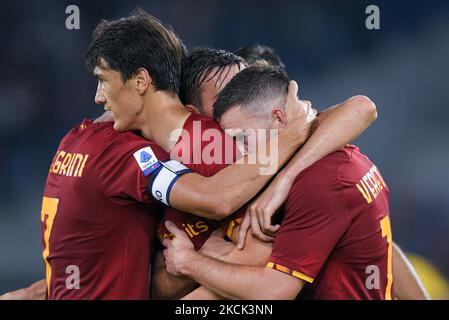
column 160, row 121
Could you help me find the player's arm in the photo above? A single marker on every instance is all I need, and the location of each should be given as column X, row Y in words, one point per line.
column 407, row 284
column 34, row 292
column 229, row 280
column 337, row 126
column 233, row 281
column 167, row 286
column 308, row 216
column 218, row 196
column 256, row 253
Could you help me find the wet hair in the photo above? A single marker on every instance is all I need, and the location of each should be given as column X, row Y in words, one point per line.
column 201, row 65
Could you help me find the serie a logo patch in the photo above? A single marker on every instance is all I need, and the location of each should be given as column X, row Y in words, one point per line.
column 146, row 159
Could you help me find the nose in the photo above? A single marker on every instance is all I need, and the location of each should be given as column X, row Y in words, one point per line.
column 99, row 95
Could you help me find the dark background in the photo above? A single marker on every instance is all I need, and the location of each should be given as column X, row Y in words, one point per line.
column 403, row 67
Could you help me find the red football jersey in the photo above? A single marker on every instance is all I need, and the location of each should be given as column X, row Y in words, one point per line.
column 336, row 231
column 98, row 221
column 197, row 148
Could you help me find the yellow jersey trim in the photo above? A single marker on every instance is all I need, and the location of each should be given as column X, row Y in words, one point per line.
column 286, row 270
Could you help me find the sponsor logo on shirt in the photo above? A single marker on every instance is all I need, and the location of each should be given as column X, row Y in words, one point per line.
column 192, row 230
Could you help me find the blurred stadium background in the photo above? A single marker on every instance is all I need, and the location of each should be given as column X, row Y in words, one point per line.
column 45, row 90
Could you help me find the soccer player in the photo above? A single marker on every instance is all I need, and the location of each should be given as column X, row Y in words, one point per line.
column 140, row 102
column 407, row 284
column 96, row 209
column 97, row 218
column 205, row 71
column 157, row 116
column 221, row 66
column 335, row 236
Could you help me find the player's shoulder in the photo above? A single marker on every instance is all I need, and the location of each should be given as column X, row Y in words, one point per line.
column 93, row 130
column 320, row 186
column 325, row 173
column 127, row 143
column 201, row 122
column 86, row 133
column 331, row 162
column 105, row 139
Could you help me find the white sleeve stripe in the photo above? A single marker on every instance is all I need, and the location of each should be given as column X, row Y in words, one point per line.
column 174, row 166
column 161, row 185
column 165, row 178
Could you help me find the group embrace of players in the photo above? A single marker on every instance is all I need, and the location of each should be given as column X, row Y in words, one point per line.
column 154, row 200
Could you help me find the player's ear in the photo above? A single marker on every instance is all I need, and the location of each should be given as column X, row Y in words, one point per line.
column 192, row 108
column 278, row 118
column 142, row 80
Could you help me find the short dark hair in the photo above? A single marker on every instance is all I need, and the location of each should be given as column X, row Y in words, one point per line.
column 138, row 41
column 256, row 52
column 252, row 88
column 197, row 68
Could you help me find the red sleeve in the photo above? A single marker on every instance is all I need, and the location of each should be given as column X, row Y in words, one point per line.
column 204, row 147
column 127, row 166
column 315, row 219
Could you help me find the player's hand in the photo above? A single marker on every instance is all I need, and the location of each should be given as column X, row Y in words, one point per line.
column 263, row 210
column 299, row 113
column 216, row 246
column 177, row 250
column 251, row 221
